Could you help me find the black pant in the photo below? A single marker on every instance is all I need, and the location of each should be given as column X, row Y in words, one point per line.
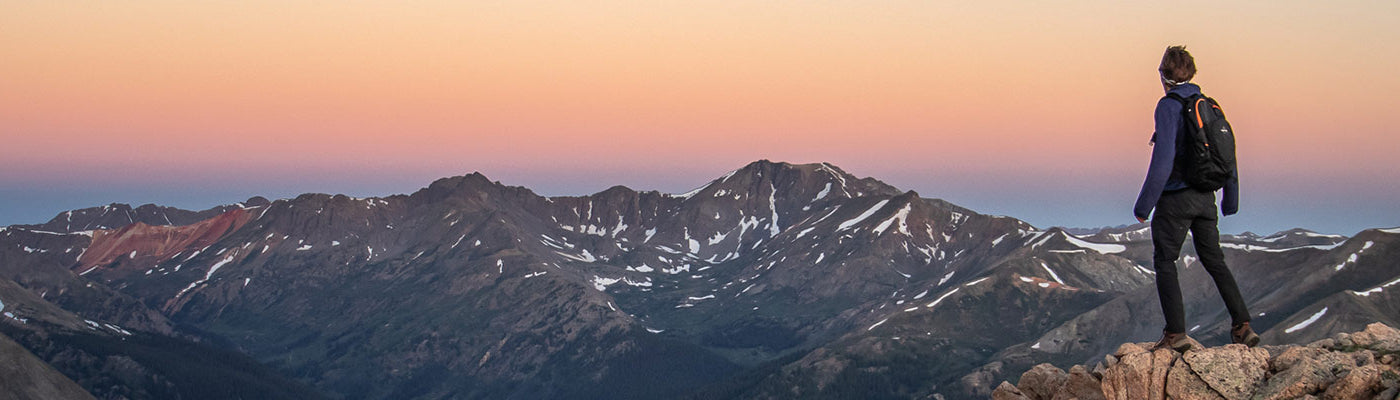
column 1176, row 213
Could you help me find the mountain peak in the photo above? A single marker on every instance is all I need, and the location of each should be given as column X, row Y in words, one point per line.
column 817, row 179
column 255, row 201
column 469, row 182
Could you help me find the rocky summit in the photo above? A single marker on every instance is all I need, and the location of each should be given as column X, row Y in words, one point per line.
column 1361, row 365
column 773, row 281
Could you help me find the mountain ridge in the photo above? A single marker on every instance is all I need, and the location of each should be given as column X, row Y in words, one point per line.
column 474, row 289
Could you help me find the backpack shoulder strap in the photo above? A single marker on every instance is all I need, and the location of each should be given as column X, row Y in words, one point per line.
column 1189, row 105
column 1177, row 97
column 1189, row 100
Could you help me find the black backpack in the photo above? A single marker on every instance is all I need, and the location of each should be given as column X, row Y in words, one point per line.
column 1205, row 155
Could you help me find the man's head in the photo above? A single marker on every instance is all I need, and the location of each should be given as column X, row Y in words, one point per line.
column 1177, row 66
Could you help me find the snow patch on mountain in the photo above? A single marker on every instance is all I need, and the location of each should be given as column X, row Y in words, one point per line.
column 773, row 205
column 999, row 239
column 694, row 244
column 207, row 275
column 1099, row 247
column 902, row 215
column 822, row 194
column 718, row 237
column 1376, row 289
column 1306, row 322
column 851, row 222
column 1052, row 272
column 944, row 296
column 583, row 256
column 1251, row 247
column 882, row 322
column 1351, row 259
column 946, row 278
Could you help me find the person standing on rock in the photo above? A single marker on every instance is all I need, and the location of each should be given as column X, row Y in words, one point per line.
column 1181, row 208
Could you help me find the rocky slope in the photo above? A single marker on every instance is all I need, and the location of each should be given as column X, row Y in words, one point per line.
column 112, row 361
column 772, row 281
column 1361, row 365
column 24, row 376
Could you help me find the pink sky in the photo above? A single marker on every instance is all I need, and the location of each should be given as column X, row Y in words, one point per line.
column 665, row 95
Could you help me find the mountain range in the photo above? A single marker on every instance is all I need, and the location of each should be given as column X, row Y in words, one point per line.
column 773, row 281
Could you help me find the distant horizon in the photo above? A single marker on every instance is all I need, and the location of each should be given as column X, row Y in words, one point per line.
column 199, row 198
column 1037, row 111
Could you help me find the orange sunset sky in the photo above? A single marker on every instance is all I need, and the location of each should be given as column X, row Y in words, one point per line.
column 1038, row 110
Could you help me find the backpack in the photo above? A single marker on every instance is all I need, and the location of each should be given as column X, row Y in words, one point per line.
column 1206, row 145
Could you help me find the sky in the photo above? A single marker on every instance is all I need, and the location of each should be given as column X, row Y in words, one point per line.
column 1036, row 110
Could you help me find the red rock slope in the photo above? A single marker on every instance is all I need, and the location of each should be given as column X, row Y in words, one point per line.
column 148, row 245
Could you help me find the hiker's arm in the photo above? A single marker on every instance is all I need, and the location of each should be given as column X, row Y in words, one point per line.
column 1230, row 203
column 1168, row 119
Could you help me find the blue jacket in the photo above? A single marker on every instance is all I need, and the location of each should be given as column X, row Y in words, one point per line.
column 1159, row 172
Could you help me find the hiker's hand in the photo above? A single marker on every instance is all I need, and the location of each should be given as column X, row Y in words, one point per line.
column 1141, row 220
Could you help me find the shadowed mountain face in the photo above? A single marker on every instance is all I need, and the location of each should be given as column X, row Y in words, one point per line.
column 773, row 281
column 24, row 376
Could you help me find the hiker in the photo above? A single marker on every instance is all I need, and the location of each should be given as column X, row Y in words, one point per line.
column 1181, row 207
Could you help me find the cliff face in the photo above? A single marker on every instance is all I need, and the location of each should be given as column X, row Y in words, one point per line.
column 1361, row 365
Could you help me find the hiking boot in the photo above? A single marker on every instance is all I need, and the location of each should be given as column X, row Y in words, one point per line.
column 1242, row 334
column 1174, row 341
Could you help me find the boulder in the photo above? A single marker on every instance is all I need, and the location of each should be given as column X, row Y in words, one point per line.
column 1184, row 384
column 1378, row 337
column 1007, row 391
column 1139, row 374
column 1294, row 355
column 1348, row 366
column 1081, row 385
column 1359, row 383
column 1302, row 377
column 1234, row 371
column 1042, row 381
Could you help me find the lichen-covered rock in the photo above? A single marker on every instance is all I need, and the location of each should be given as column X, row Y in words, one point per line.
column 1304, row 377
column 1139, row 374
column 1234, row 371
column 1130, row 348
column 1081, row 385
column 1042, row 381
column 1323, row 343
column 1183, row 384
column 1294, row 355
column 1007, row 391
column 1378, row 337
column 1364, row 357
column 1360, row 383
column 1353, row 366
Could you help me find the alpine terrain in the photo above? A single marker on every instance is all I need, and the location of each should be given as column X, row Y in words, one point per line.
column 774, row 281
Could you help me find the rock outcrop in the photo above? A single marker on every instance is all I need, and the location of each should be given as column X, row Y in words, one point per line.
column 1362, row 365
